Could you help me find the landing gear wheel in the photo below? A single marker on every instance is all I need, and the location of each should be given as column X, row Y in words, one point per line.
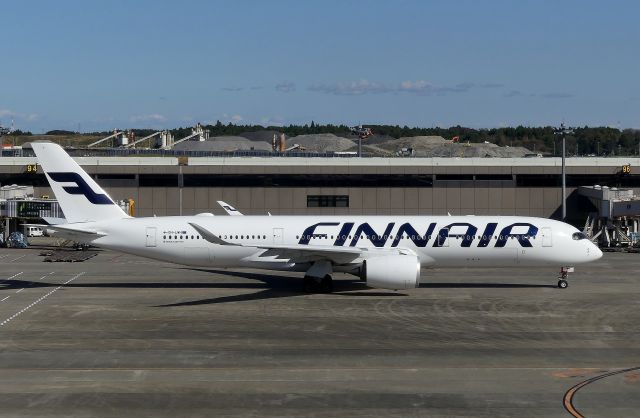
column 309, row 284
column 327, row 284
column 563, row 284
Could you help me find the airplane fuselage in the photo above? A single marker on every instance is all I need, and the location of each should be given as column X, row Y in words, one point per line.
column 442, row 241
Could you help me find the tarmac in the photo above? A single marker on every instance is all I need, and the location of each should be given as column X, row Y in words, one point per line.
column 118, row 335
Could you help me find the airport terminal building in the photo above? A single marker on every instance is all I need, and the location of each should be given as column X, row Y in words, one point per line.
column 343, row 185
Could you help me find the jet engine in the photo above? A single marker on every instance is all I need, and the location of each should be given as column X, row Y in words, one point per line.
column 391, row 272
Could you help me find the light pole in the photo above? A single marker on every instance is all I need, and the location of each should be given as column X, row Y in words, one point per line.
column 563, row 131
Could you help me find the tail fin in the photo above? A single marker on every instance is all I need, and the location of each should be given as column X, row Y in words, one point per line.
column 80, row 198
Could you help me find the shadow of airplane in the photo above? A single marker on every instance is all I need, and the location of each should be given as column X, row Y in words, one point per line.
column 268, row 286
column 484, row 285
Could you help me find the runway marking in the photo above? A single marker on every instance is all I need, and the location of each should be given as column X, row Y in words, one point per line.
column 48, row 274
column 115, row 257
column 14, row 276
column 40, row 299
column 16, row 259
column 567, row 401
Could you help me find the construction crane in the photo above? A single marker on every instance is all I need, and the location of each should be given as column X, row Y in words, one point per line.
column 114, row 135
column 198, row 131
column 143, row 139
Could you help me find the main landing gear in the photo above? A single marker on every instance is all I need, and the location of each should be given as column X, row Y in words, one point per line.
column 564, row 274
column 318, row 277
column 318, row 285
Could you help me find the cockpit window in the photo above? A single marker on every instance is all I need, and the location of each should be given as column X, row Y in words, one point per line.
column 579, row 235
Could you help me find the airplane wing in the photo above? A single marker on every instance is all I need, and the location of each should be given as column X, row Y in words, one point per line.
column 229, row 209
column 298, row 253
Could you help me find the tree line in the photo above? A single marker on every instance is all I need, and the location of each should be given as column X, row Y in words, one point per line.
column 602, row 141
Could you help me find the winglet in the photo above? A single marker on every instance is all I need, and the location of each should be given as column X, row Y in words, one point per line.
column 208, row 236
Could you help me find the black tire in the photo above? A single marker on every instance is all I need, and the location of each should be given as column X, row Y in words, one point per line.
column 327, row 284
column 309, row 284
column 562, row 284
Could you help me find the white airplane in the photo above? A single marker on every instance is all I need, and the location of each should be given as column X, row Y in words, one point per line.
column 384, row 251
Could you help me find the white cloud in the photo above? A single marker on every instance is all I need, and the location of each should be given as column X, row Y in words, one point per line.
column 154, row 117
column 351, row 88
column 557, row 95
column 513, row 93
column 286, row 87
column 360, row 87
column 6, row 113
column 227, row 118
column 272, row 121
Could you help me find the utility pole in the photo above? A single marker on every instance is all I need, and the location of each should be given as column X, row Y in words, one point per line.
column 563, row 131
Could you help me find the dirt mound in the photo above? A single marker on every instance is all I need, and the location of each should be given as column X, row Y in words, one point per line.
column 223, row 143
column 437, row 146
column 321, row 142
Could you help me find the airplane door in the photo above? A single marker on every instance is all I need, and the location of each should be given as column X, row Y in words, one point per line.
column 151, row 236
column 547, row 238
column 278, row 235
column 442, row 238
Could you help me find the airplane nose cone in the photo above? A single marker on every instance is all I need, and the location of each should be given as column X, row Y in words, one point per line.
column 594, row 252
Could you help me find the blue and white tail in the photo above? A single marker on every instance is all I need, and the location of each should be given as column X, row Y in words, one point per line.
column 80, row 198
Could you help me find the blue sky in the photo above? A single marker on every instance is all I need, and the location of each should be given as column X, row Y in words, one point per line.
column 120, row 64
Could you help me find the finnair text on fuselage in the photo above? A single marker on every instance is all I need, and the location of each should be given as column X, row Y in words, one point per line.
column 465, row 231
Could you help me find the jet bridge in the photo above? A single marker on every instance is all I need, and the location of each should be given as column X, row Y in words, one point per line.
column 617, row 221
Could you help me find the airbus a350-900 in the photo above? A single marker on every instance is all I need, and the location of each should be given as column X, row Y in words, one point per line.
column 384, row 251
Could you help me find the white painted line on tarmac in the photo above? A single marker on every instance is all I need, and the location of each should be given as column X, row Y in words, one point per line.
column 18, row 291
column 40, row 299
column 3, row 256
column 16, row 259
column 14, row 276
column 5, row 298
column 50, row 273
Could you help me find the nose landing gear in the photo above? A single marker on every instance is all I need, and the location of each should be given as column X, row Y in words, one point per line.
column 564, row 274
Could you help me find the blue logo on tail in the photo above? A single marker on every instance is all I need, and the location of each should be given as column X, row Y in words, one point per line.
column 81, row 187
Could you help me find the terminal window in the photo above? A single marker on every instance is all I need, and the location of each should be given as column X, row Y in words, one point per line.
column 327, row 201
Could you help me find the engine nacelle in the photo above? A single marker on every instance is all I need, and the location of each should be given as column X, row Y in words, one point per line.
column 393, row 272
